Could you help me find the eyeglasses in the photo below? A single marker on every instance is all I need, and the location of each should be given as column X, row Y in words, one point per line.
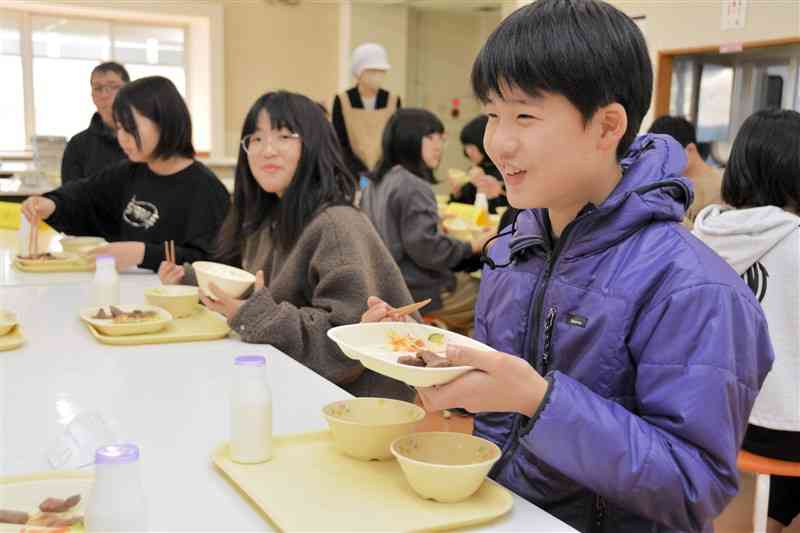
column 99, row 89
column 256, row 142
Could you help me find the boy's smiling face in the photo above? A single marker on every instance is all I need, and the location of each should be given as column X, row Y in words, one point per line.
column 548, row 155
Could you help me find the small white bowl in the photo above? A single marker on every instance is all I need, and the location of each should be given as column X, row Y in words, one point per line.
column 446, row 467
column 364, row 428
column 234, row 281
column 180, row 300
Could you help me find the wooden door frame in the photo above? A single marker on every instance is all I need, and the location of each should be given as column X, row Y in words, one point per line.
column 666, row 57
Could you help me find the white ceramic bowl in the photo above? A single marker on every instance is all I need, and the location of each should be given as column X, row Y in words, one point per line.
column 180, row 300
column 446, row 467
column 234, row 281
column 364, row 428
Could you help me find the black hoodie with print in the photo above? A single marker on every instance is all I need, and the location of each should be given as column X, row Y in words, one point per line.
column 129, row 202
column 90, row 151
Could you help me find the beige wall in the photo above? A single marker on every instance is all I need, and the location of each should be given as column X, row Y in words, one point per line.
column 442, row 48
column 386, row 25
column 270, row 46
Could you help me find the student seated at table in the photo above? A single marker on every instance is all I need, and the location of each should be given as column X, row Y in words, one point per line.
column 97, row 147
column 315, row 255
column 484, row 176
column 402, row 205
column 759, row 236
column 161, row 194
column 629, row 354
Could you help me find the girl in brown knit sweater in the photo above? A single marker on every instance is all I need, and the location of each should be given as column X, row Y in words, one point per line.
column 316, row 257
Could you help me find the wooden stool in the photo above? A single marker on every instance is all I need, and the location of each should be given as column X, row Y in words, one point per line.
column 763, row 468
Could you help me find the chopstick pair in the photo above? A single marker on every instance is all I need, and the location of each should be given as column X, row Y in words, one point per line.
column 410, row 308
column 169, row 252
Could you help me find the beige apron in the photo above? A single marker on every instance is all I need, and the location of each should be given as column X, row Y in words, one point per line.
column 365, row 128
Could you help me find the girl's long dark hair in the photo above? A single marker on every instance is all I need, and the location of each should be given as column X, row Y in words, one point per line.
column 402, row 142
column 321, row 178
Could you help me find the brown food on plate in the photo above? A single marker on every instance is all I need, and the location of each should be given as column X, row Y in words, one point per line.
column 57, row 505
column 410, row 360
column 125, row 317
column 13, row 517
column 426, row 359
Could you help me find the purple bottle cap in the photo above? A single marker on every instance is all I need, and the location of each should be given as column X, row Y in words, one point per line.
column 116, row 454
column 250, row 360
column 105, row 258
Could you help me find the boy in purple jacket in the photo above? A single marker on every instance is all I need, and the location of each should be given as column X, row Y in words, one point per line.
column 629, row 354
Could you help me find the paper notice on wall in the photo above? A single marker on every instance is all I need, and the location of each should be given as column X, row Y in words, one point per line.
column 734, row 14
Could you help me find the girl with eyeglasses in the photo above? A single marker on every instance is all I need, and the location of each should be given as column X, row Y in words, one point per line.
column 401, row 204
column 294, row 225
column 160, row 193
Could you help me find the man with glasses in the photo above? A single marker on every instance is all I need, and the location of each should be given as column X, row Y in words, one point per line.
column 95, row 148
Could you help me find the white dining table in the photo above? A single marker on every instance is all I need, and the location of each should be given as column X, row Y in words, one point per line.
column 171, row 400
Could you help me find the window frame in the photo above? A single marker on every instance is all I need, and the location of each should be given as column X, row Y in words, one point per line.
column 25, row 18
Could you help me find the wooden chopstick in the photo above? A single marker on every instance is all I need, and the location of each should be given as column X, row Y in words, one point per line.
column 410, row 308
column 169, row 251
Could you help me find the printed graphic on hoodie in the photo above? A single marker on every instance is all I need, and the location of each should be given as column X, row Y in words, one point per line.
column 141, row 214
column 756, row 278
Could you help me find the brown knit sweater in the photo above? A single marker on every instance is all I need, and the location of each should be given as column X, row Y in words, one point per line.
column 324, row 281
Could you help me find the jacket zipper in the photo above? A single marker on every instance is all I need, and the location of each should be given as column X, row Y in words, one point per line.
column 552, row 258
column 599, row 513
column 549, row 323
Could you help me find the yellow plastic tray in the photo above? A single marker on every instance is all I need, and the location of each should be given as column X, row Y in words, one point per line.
column 12, row 340
column 25, row 493
column 348, row 494
column 203, row 325
column 73, row 266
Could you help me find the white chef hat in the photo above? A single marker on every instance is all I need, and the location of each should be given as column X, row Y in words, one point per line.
column 369, row 56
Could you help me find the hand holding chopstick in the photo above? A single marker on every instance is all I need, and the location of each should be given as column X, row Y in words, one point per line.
column 170, row 273
column 380, row 311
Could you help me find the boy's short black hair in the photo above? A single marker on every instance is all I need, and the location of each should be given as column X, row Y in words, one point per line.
column 112, row 66
column 764, row 165
column 681, row 130
column 678, row 128
column 158, row 99
column 585, row 50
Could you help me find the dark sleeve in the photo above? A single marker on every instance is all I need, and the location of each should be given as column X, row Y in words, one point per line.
column 209, row 208
column 90, row 205
column 355, row 164
column 466, row 195
column 72, row 161
column 399, row 103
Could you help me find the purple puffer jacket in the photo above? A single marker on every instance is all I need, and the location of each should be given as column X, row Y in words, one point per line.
column 654, row 348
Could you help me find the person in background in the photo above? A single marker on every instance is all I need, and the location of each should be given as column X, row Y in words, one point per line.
column 315, row 255
column 160, row 193
column 628, row 354
column 96, row 147
column 401, row 204
column 705, row 179
column 758, row 234
column 360, row 114
column 484, row 176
